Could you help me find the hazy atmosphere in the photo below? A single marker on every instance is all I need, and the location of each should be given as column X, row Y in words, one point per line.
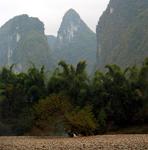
column 73, row 68
column 51, row 12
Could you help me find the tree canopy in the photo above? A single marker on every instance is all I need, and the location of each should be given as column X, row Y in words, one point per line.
column 71, row 101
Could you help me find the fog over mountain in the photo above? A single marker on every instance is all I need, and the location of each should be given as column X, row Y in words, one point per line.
column 75, row 41
column 51, row 12
column 23, row 42
column 122, row 33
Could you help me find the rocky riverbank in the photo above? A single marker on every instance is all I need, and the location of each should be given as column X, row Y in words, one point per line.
column 104, row 142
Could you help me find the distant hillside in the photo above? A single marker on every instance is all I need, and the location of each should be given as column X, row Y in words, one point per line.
column 75, row 41
column 22, row 42
column 122, row 33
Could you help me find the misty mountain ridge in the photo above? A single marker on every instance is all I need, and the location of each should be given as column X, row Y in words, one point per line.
column 121, row 38
column 75, row 41
column 122, row 33
column 22, row 40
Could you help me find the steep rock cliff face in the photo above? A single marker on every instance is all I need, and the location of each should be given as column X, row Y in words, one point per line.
column 122, row 33
column 22, row 42
column 75, row 41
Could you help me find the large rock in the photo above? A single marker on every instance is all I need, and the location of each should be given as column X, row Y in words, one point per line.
column 75, row 41
column 122, row 33
column 22, row 42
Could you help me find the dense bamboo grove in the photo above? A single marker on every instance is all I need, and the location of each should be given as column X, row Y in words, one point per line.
column 69, row 101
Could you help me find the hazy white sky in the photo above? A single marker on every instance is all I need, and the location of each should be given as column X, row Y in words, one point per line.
column 52, row 11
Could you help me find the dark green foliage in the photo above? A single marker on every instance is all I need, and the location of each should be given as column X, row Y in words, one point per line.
column 72, row 78
column 102, row 118
column 50, row 114
column 18, row 93
column 70, row 102
column 81, row 121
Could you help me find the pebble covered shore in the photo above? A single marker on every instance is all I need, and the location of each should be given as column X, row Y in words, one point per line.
column 101, row 142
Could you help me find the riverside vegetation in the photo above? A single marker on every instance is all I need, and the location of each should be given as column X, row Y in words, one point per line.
column 69, row 101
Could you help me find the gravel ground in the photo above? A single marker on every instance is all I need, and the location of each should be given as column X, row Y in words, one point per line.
column 105, row 142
